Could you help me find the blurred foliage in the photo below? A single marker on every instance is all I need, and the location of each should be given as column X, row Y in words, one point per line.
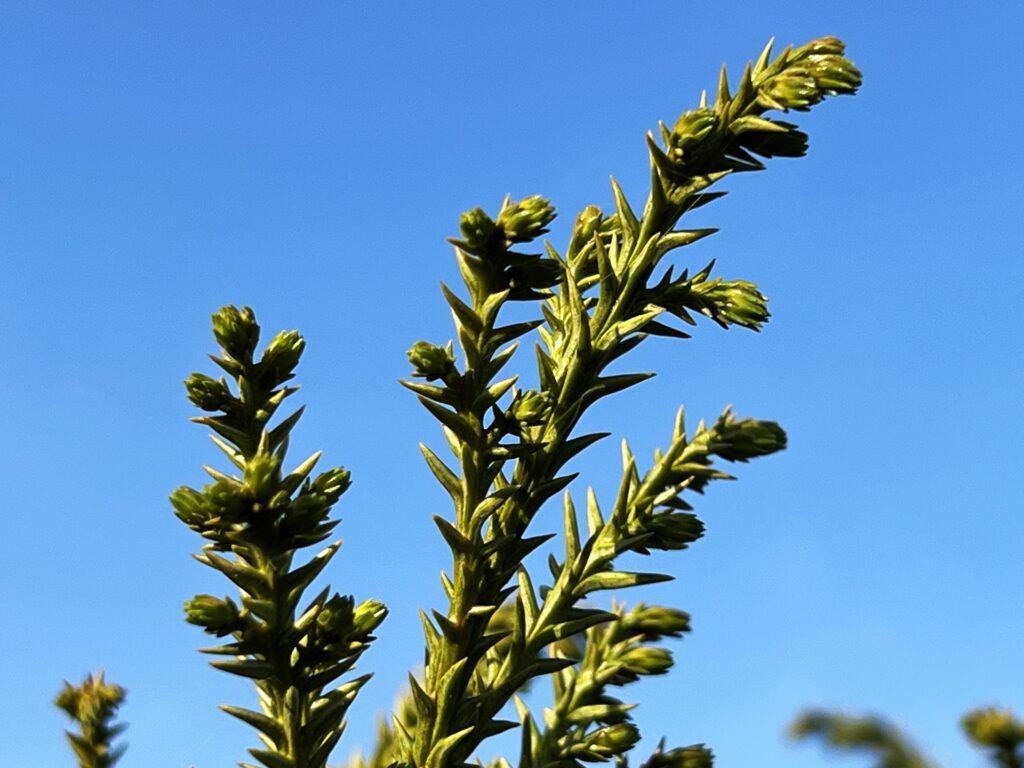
column 998, row 732
column 92, row 706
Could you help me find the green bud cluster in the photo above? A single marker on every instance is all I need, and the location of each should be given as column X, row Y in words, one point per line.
column 709, row 142
column 486, row 256
column 808, row 74
column 92, row 705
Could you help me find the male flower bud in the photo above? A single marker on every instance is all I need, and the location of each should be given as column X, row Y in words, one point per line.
column 335, row 619
column 793, row 88
column 526, row 219
column 672, row 530
column 530, row 407
column 331, row 483
column 223, row 500
column 652, row 622
column 647, row 660
column 690, row 131
column 833, row 73
column 262, row 475
column 745, row 439
column 208, row 393
column 307, row 511
column 735, row 302
column 236, row 331
column 587, row 222
column 610, row 741
column 477, row 228
column 216, row 616
column 367, row 616
column 430, row 361
column 282, row 355
column 188, row 506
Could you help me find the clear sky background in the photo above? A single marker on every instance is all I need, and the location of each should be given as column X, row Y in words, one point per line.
column 160, row 160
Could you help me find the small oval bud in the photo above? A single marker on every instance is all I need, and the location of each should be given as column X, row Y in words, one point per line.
column 690, row 130
column 236, row 331
column 368, row 615
column 652, row 622
column 794, row 88
column 745, row 439
column 223, row 500
column 672, row 530
column 282, row 355
column 216, row 616
column 188, row 506
column 330, row 484
column 530, row 407
column 477, row 228
column 430, row 361
column 526, row 219
column 613, row 740
column 647, row 660
column 335, row 619
column 208, row 393
column 587, row 222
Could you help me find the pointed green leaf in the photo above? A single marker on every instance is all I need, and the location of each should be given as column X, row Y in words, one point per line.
column 431, row 391
column 617, row 580
column 453, row 421
column 257, row 720
column 257, row 670
column 628, row 220
column 463, row 313
column 445, row 476
column 572, row 530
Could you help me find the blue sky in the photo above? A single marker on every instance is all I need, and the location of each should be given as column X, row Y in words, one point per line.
column 160, row 160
